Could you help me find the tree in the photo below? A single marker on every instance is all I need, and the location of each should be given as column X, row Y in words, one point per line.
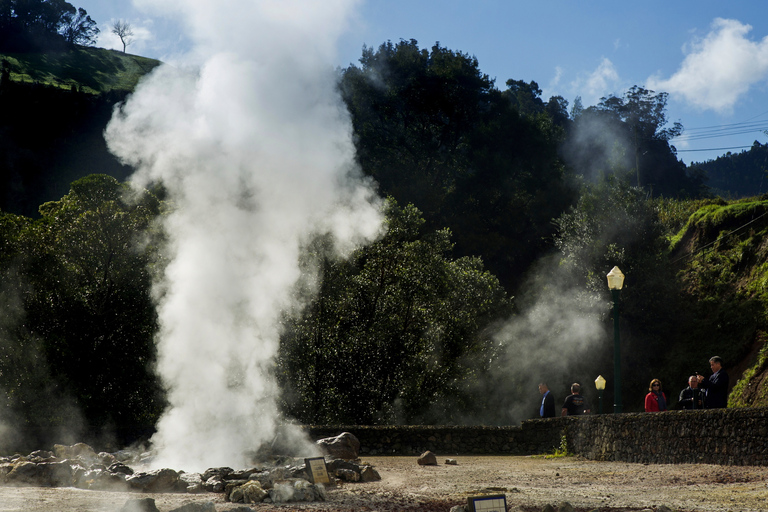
column 123, row 30
column 79, row 28
column 433, row 131
column 395, row 332
column 84, row 282
column 630, row 134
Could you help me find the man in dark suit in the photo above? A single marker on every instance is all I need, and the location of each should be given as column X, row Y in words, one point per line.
column 716, row 385
column 547, row 409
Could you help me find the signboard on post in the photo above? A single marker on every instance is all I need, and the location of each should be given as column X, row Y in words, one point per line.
column 317, row 471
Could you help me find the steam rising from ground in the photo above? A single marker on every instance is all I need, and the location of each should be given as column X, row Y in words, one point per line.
column 255, row 149
column 556, row 334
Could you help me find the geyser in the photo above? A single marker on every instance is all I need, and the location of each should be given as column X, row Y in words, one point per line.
column 254, row 148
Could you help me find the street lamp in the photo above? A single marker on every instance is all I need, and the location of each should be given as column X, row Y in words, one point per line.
column 600, row 385
column 615, row 282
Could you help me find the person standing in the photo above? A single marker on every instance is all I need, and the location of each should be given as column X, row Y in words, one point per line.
column 574, row 404
column 716, row 385
column 655, row 400
column 692, row 397
column 547, row 408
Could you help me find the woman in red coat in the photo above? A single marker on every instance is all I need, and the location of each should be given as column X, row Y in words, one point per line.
column 655, row 400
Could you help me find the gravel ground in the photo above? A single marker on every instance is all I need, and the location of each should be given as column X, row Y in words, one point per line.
column 529, row 483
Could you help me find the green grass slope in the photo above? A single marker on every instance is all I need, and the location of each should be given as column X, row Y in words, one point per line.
column 92, row 70
column 722, row 257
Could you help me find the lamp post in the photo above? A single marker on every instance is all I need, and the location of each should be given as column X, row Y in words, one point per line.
column 600, row 385
column 615, row 282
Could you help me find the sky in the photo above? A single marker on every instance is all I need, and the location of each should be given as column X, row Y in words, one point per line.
column 711, row 57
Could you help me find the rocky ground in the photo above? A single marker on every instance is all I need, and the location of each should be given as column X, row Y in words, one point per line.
column 529, row 484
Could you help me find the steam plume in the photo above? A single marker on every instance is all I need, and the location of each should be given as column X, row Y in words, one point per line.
column 254, row 147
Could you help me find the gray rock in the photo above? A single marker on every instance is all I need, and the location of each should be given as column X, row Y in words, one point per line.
column 347, row 475
column 158, row 480
column 140, row 505
column 344, row 446
column 427, row 459
column 192, row 481
column 565, row 507
column 368, row 474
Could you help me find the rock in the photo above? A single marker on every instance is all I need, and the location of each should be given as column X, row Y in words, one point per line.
column 249, row 492
column 344, row 446
column 548, row 508
column 192, row 481
column 368, row 474
column 79, row 451
column 347, row 475
column 222, row 472
column 119, row 467
column 216, row 483
column 427, row 459
column 663, row 508
column 140, row 505
column 100, row 480
column 459, row 508
column 565, row 507
column 43, row 474
column 158, row 480
column 451, row 462
column 208, row 506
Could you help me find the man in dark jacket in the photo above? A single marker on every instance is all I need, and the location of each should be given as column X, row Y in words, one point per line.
column 716, row 385
column 692, row 397
column 547, row 408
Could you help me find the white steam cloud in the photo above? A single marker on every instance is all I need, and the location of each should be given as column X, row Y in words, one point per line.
column 593, row 86
column 255, row 149
column 719, row 69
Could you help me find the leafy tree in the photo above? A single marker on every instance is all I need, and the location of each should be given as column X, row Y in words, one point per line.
column 433, row 131
column 630, row 133
column 85, row 270
column 395, row 333
column 737, row 175
column 79, row 28
column 43, row 25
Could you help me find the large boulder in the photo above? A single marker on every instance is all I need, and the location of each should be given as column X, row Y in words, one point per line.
column 427, row 459
column 343, row 446
column 158, row 480
column 249, row 492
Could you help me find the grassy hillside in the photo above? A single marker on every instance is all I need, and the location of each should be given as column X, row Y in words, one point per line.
column 722, row 257
column 92, row 70
column 54, row 107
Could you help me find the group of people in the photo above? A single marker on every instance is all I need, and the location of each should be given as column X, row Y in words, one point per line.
column 574, row 404
column 701, row 393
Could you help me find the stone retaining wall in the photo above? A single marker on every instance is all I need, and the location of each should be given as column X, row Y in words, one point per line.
column 726, row 436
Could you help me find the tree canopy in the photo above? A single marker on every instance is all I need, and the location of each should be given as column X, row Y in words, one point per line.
column 433, row 131
column 43, row 25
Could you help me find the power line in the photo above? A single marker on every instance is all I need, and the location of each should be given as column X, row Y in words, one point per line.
column 713, row 149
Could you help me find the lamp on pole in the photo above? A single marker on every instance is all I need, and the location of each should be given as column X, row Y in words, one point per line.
column 600, row 385
column 615, row 282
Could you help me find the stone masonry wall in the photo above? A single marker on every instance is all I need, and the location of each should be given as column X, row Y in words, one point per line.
column 726, row 436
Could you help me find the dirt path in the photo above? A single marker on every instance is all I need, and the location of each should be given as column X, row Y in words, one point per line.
column 529, row 483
